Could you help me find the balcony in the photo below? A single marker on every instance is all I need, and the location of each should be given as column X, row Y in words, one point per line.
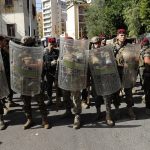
column 46, row 12
column 47, row 26
column 46, row 17
column 46, row 7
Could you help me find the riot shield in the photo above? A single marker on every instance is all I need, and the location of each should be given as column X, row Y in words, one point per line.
column 130, row 55
column 25, row 68
column 72, row 64
column 104, row 70
column 4, row 90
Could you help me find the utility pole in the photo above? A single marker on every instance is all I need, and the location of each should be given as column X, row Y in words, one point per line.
column 30, row 17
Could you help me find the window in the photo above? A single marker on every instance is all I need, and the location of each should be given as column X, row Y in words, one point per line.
column 33, row 11
column 11, row 29
column 8, row 2
column 28, row 5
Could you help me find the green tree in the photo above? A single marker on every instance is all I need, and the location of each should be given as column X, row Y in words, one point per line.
column 132, row 18
column 105, row 17
column 145, row 14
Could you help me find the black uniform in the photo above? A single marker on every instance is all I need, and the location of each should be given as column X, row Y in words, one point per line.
column 49, row 69
column 6, row 62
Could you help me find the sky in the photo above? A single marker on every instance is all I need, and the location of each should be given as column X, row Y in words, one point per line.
column 38, row 5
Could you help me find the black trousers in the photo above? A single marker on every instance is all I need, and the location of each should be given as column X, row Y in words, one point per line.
column 1, row 108
column 84, row 95
column 50, row 81
column 147, row 91
column 128, row 98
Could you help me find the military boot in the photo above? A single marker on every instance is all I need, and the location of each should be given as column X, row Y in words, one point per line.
column 76, row 124
column 131, row 113
column 45, row 123
column 67, row 114
column 2, row 123
column 109, row 121
column 29, row 123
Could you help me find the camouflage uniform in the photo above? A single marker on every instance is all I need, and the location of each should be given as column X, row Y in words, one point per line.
column 99, row 99
column 146, row 76
column 128, row 91
column 75, row 96
column 28, row 41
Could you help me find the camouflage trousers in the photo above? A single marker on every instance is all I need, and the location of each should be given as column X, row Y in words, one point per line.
column 75, row 96
column 27, row 104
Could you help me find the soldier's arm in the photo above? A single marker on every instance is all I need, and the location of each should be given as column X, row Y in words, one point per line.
column 147, row 60
column 147, row 57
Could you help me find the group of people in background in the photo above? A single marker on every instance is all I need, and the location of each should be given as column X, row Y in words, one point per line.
column 77, row 68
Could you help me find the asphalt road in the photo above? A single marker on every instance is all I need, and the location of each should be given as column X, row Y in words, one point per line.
column 126, row 135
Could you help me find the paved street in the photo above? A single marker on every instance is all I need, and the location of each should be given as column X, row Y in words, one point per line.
column 126, row 135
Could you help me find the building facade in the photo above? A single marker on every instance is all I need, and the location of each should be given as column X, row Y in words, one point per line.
column 14, row 18
column 75, row 24
column 39, row 24
column 54, row 15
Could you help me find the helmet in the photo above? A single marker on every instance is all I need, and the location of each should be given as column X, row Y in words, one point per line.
column 27, row 41
column 95, row 39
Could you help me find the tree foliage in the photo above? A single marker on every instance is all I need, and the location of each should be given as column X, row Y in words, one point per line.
column 131, row 15
column 145, row 13
column 106, row 16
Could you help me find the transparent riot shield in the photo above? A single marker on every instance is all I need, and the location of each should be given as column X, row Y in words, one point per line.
column 4, row 90
column 104, row 71
column 25, row 68
column 72, row 72
column 130, row 55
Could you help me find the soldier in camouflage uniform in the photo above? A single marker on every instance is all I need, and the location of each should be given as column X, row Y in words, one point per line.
column 97, row 42
column 75, row 96
column 119, row 46
column 145, row 67
column 28, row 41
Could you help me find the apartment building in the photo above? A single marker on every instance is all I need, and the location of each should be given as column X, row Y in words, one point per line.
column 75, row 24
column 54, row 17
column 18, row 18
column 40, row 24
